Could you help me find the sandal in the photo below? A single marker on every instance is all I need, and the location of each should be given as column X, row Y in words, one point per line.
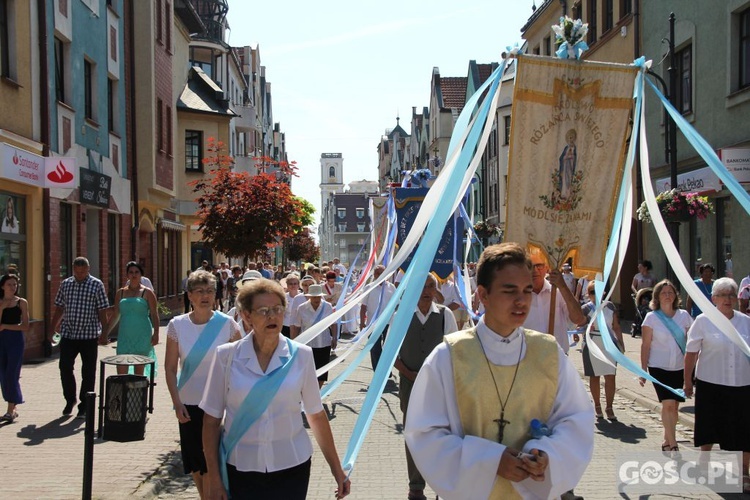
column 9, row 417
column 665, row 447
column 611, row 414
column 598, row 411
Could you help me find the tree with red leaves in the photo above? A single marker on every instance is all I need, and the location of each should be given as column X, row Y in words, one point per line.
column 240, row 214
column 302, row 247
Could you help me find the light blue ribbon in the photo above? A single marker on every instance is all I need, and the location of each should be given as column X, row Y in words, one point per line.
column 408, row 292
column 252, row 407
column 578, row 49
column 677, row 333
column 201, row 347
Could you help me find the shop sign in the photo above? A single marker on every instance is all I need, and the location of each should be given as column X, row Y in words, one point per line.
column 29, row 168
column 701, row 180
column 95, row 188
column 737, row 161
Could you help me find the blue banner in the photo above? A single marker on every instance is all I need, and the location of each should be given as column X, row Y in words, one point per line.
column 408, row 202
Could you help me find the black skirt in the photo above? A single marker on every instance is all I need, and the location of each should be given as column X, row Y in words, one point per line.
column 286, row 484
column 674, row 379
column 721, row 416
column 322, row 356
column 191, row 442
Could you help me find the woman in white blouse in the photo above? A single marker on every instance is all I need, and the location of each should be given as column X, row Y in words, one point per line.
column 263, row 448
column 722, row 378
column 191, row 343
column 663, row 354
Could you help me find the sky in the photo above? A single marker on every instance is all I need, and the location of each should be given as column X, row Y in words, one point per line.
column 342, row 71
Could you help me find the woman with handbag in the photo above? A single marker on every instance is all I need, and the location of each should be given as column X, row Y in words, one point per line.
column 255, row 386
column 664, row 334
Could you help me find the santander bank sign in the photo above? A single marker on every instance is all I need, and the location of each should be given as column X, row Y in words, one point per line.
column 29, row 168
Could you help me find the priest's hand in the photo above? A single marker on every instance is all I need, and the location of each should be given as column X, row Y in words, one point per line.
column 535, row 463
column 511, row 467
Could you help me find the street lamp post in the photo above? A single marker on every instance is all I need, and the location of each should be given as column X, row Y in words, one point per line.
column 674, row 227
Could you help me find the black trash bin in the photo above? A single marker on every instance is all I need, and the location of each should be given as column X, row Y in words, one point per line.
column 125, row 410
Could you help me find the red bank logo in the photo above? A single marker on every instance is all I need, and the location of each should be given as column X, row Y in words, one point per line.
column 60, row 174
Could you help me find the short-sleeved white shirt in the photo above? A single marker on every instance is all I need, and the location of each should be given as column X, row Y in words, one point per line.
column 288, row 320
column 720, row 361
column 665, row 353
column 297, row 301
column 538, row 318
column 373, row 299
column 306, row 317
column 277, row 440
column 186, row 333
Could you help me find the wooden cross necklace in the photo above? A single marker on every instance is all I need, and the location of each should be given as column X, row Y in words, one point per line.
column 501, row 422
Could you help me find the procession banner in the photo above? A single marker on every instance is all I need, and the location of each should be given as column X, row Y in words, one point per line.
column 408, row 202
column 570, row 125
column 379, row 218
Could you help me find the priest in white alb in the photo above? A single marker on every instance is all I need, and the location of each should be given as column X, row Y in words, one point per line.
column 469, row 426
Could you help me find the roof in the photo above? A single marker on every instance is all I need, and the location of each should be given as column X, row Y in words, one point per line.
column 401, row 132
column 202, row 95
column 185, row 11
column 453, row 89
column 535, row 15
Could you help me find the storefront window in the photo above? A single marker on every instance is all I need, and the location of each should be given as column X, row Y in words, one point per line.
column 13, row 234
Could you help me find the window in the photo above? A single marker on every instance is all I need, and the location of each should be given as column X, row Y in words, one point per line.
column 626, row 7
column 506, row 130
column 360, row 213
column 160, row 125
column 342, row 227
column 159, row 20
column 331, row 172
column 609, row 14
column 592, row 21
column 67, row 133
column 342, row 243
column 62, row 7
column 116, row 157
column 5, row 39
column 547, row 46
column 744, row 62
column 341, row 212
column 88, row 88
column 360, row 227
column 67, row 232
column 684, row 90
column 61, row 50
column 168, row 26
column 113, row 43
column 113, row 241
column 111, row 105
column 194, row 150
column 169, row 130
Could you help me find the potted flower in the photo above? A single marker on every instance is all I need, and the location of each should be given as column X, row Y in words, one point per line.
column 676, row 206
column 486, row 229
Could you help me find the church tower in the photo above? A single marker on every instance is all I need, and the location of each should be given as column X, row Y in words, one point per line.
column 331, row 176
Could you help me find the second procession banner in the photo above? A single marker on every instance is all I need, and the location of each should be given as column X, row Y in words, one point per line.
column 570, row 125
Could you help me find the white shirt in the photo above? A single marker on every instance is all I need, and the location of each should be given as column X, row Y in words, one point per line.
column 340, row 269
column 305, row 318
column 665, row 353
column 449, row 326
column 467, row 466
column 720, row 361
column 297, row 301
column 277, row 440
column 538, row 318
column 451, row 295
column 288, row 320
column 745, row 282
column 373, row 299
column 186, row 333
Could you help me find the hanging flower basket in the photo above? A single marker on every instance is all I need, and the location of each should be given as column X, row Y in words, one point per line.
column 486, row 229
column 676, row 206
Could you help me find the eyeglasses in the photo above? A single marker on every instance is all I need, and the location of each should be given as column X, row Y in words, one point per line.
column 268, row 311
column 725, row 296
column 539, row 266
column 203, row 291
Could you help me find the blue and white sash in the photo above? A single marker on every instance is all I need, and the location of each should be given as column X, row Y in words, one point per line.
column 201, row 347
column 252, row 407
column 677, row 332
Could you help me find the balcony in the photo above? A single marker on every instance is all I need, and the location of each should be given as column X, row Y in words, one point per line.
column 245, row 121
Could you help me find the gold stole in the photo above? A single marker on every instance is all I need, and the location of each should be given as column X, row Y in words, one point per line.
column 532, row 397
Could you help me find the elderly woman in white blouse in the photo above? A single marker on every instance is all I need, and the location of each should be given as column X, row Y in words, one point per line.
column 256, row 386
column 722, row 378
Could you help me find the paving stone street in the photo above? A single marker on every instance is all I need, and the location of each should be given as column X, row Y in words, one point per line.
column 43, row 451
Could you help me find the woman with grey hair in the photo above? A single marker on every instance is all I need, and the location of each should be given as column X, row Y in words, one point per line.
column 722, row 378
column 192, row 340
column 256, row 386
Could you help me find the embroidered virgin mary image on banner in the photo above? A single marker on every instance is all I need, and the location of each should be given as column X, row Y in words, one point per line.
column 569, row 132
